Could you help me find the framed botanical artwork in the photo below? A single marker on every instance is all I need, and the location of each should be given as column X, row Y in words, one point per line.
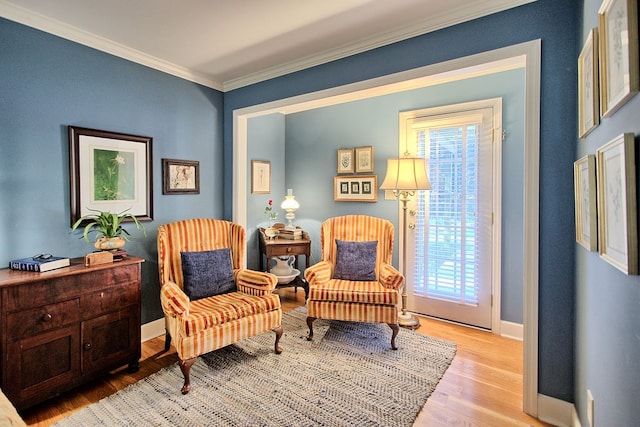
column 260, row 177
column 180, row 176
column 355, row 188
column 345, row 160
column 364, row 159
column 584, row 177
column 618, row 34
column 588, row 85
column 617, row 226
column 110, row 171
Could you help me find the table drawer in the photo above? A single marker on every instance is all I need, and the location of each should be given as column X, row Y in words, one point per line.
column 32, row 322
column 276, row 250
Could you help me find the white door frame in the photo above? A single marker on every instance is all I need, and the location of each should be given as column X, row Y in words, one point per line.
column 526, row 54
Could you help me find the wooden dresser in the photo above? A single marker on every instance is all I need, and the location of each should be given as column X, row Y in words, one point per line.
column 64, row 327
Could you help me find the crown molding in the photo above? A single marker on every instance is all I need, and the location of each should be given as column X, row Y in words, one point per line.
column 53, row 26
column 433, row 23
column 436, row 22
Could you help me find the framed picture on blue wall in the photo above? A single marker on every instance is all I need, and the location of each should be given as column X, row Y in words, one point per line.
column 180, row 176
column 111, row 172
column 619, row 57
column 588, row 86
column 617, row 216
column 355, row 188
column 584, row 175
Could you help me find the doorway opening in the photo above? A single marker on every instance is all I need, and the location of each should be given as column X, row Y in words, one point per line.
column 527, row 55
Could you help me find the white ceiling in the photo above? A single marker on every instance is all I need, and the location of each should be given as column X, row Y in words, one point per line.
column 226, row 44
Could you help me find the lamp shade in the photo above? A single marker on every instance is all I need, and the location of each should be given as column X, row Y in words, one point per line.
column 290, row 203
column 406, row 173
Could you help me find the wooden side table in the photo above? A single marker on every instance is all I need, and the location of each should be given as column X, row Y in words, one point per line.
column 283, row 247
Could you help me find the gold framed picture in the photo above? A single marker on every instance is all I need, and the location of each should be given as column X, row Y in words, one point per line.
column 364, row 159
column 584, row 177
column 617, row 223
column 618, row 34
column 357, row 188
column 588, row 85
column 345, row 160
column 260, row 177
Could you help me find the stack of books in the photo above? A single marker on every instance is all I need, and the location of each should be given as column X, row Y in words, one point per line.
column 39, row 263
column 291, row 234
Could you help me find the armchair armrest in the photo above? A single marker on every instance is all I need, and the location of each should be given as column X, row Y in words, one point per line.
column 318, row 273
column 390, row 277
column 173, row 299
column 255, row 282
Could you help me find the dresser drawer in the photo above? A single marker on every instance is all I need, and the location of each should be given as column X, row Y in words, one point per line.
column 46, row 291
column 31, row 322
column 109, row 299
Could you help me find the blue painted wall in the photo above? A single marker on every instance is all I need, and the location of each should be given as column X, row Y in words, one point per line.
column 555, row 23
column 313, row 138
column 48, row 83
column 607, row 300
column 265, row 141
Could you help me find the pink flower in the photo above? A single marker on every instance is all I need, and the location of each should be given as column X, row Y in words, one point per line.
column 270, row 202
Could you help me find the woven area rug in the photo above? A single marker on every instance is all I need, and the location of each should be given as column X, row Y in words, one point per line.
column 347, row 376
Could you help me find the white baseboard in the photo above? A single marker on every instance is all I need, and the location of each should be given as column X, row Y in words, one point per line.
column 511, row 330
column 152, row 329
column 555, row 411
column 575, row 418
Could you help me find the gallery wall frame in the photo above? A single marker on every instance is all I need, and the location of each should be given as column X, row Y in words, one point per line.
column 617, row 215
column 356, row 188
column 180, row 176
column 364, row 159
column 619, row 68
column 345, row 160
column 588, row 85
column 110, row 171
column 260, row 177
column 584, row 175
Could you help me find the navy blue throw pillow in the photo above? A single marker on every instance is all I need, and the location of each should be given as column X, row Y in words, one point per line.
column 356, row 260
column 207, row 273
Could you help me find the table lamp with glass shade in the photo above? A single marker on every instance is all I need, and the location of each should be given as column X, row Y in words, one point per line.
column 405, row 176
column 290, row 205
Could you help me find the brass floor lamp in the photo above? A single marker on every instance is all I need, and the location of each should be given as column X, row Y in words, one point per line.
column 405, row 176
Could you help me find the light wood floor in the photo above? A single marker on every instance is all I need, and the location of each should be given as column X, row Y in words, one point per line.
column 482, row 387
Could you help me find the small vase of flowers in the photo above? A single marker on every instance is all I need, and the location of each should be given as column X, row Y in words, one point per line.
column 270, row 232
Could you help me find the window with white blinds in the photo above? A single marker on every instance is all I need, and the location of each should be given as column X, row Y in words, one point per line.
column 448, row 262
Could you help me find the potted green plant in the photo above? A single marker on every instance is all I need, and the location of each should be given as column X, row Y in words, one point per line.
column 111, row 234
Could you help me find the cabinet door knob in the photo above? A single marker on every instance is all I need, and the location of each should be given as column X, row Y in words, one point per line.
column 87, row 346
column 47, row 317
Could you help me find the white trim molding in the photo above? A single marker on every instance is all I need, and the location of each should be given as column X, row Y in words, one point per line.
column 151, row 330
column 449, row 18
column 515, row 331
column 555, row 411
column 53, row 26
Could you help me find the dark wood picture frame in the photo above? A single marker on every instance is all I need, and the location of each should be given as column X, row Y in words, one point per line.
column 180, row 176
column 110, row 171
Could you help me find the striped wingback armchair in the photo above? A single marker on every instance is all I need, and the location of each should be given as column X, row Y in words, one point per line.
column 199, row 326
column 373, row 299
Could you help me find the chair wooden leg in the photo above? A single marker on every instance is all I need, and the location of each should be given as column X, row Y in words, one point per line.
column 185, row 367
column 310, row 321
column 395, row 328
column 278, row 332
column 167, row 340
